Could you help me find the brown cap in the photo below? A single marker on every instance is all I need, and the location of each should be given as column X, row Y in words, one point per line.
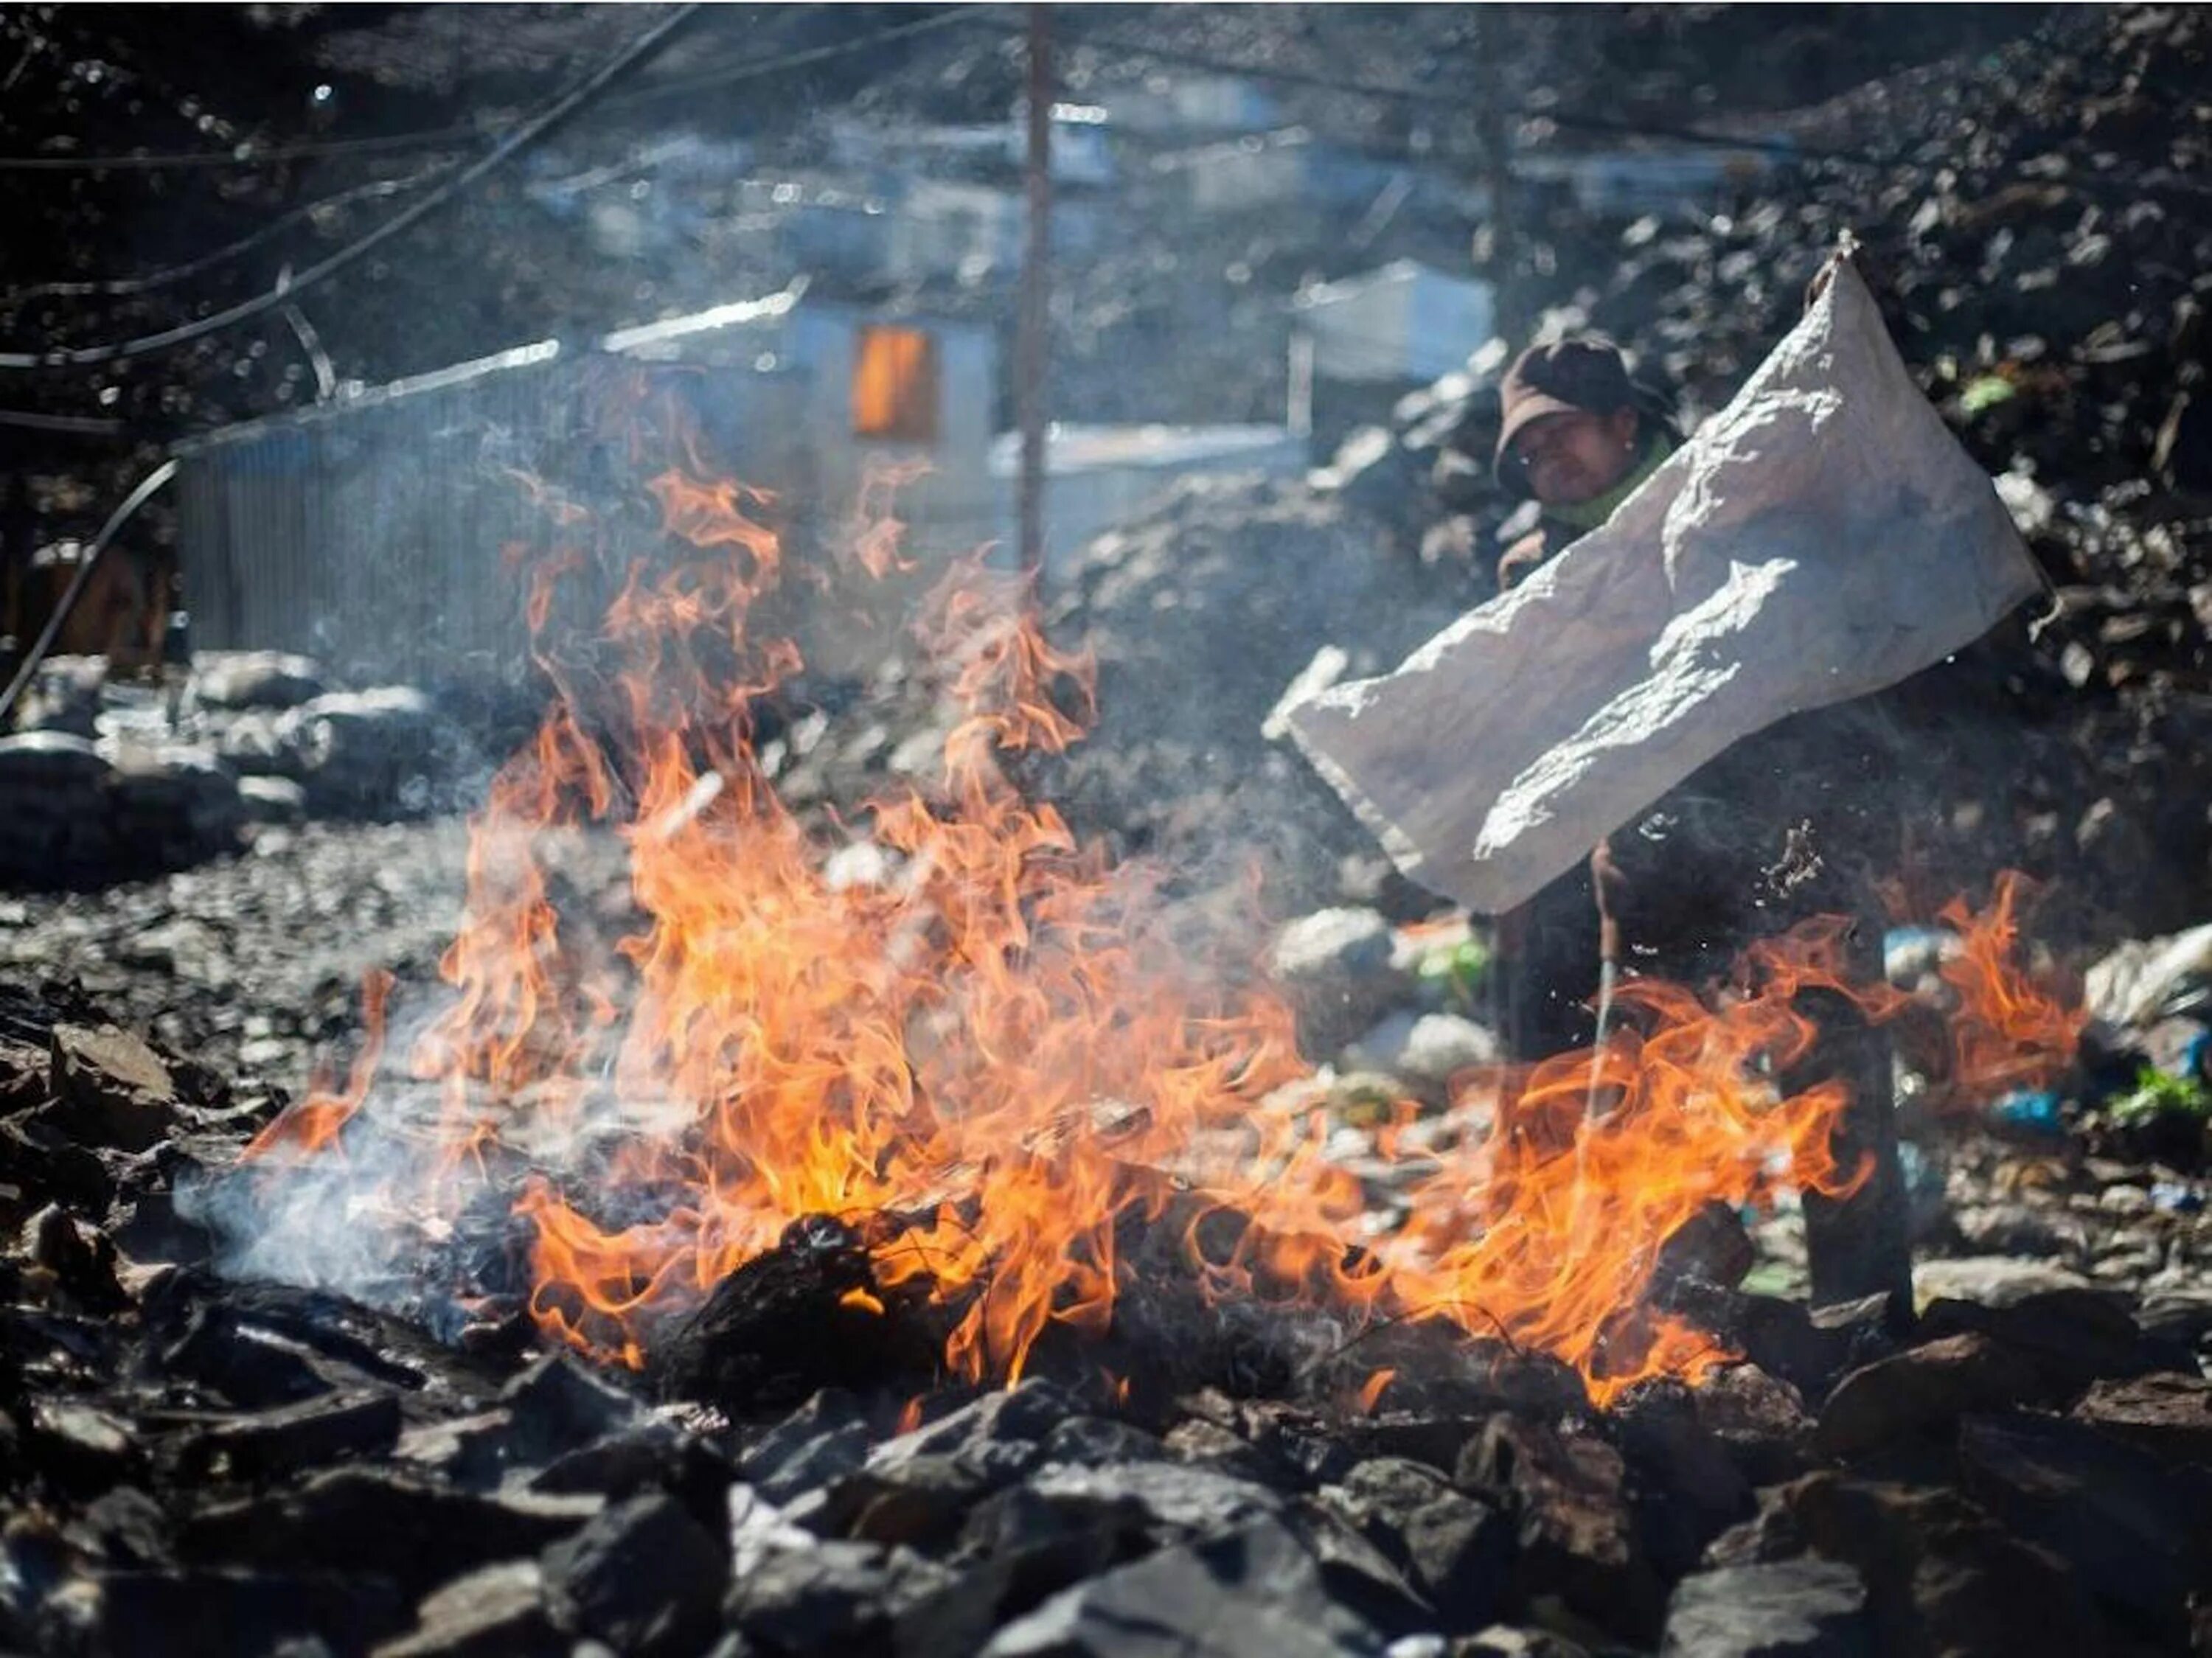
column 1587, row 374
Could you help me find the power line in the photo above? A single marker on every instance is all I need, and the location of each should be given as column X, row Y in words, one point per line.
column 123, row 285
column 1462, row 103
column 567, row 105
column 138, row 497
column 83, row 426
column 249, row 155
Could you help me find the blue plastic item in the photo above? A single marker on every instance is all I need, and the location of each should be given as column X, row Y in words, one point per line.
column 2176, row 1198
column 2035, row 1109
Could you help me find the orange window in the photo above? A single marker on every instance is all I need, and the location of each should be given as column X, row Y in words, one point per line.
column 895, row 385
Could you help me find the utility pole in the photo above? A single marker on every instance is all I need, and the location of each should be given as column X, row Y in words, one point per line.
column 1030, row 347
column 1494, row 134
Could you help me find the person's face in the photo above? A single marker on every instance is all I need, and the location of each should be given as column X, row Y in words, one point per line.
column 1571, row 457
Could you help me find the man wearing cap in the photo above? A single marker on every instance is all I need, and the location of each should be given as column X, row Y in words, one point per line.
column 1578, row 436
column 1767, row 833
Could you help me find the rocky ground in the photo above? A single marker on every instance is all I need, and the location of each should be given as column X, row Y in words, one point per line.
column 190, row 1463
column 2025, row 1468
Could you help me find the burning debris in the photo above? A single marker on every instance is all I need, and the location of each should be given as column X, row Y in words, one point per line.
column 963, row 1083
column 948, row 1249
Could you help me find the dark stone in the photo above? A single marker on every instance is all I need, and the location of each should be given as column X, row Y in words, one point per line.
column 1029, row 1547
column 1259, row 1592
column 306, row 1435
column 554, row 1408
column 652, row 1455
column 823, row 1439
column 918, row 1487
column 1760, row 1421
column 375, row 1521
column 1435, row 1440
column 561, row 1402
column 1792, row 1609
column 1941, row 1575
column 252, row 1368
column 1781, row 1337
column 113, row 1090
column 2167, row 1414
column 790, row 1322
column 845, row 1598
column 1687, row 1488
column 1100, row 1441
column 1711, row 1245
column 77, row 1258
column 643, row 1576
column 1171, row 1501
column 1924, row 1391
column 79, row 1445
column 1211, row 1445
column 2072, row 1336
column 1456, row 1551
column 1568, row 1500
column 2134, row 1528
column 215, row 1614
column 497, row 1612
column 40, row 1157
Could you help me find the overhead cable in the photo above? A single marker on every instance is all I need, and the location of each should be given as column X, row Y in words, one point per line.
column 567, row 105
column 138, row 497
column 250, row 155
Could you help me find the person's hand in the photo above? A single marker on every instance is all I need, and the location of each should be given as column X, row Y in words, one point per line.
column 1870, row 273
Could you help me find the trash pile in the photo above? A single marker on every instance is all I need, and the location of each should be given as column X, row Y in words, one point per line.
column 117, row 777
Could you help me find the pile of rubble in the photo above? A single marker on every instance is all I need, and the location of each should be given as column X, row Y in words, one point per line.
column 118, row 778
column 197, row 1464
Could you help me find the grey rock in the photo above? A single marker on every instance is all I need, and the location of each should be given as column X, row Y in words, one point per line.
column 272, row 801
column 1175, row 1500
column 823, row 1439
column 1924, row 1390
column 1456, row 1551
column 488, row 1614
column 1334, row 966
column 1425, row 1050
column 1992, row 1280
column 831, row 1597
column 1792, row 1609
column 643, row 1576
column 1256, row 1593
column 256, row 679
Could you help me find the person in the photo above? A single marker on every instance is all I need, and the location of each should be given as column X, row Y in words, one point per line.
column 1792, row 823
column 1578, row 434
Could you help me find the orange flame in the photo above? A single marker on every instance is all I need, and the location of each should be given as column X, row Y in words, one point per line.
column 2008, row 1032
column 314, row 1124
column 1003, row 1044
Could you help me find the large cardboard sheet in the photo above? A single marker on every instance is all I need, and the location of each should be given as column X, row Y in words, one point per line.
column 1823, row 537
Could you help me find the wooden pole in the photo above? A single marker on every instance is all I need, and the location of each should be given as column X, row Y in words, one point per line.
column 1493, row 131
column 1031, row 351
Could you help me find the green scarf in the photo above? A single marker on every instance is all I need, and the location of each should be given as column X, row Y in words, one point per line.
column 1586, row 516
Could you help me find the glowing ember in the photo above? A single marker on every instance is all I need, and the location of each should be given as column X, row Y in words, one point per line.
column 1002, row 1042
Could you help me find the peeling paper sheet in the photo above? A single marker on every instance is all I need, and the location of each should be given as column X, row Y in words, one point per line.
column 1822, row 538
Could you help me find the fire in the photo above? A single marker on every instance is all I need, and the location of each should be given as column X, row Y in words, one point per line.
column 314, row 1124
column 998, row 1046
column 2008, row 1032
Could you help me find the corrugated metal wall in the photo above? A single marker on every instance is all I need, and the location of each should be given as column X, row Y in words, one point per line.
column 376, row 536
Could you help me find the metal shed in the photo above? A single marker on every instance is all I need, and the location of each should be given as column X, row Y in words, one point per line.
column 374, row 532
